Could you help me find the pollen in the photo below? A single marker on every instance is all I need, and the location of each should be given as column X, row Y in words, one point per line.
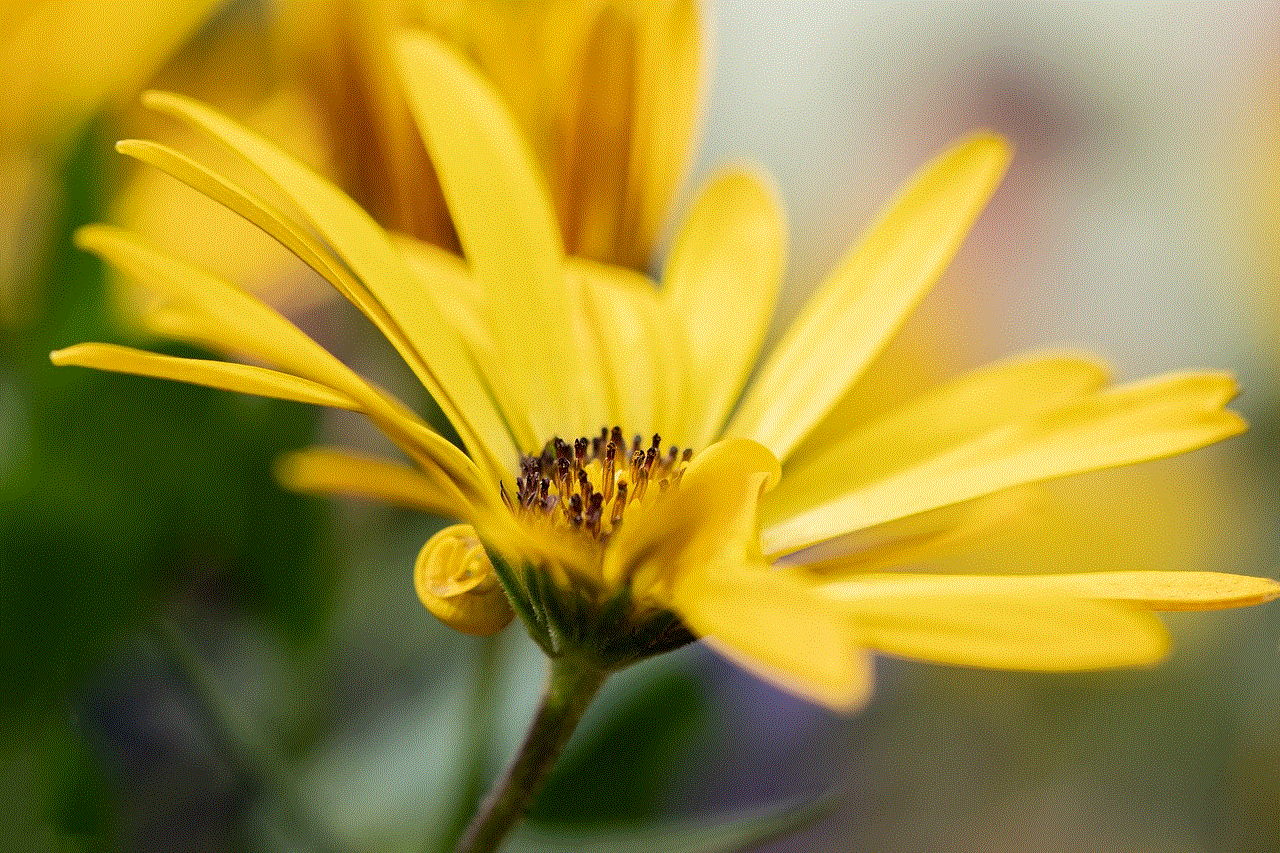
column 591, row 484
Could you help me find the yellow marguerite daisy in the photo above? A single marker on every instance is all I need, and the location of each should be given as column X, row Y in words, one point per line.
column 631, row 478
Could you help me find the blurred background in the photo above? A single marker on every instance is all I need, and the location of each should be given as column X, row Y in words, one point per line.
column 194, row 660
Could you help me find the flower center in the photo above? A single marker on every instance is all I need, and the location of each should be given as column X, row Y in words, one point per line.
column 590, row 485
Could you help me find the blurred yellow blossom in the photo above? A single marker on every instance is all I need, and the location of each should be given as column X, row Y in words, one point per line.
column 63, row 60
column 605, row 92
column 722, row 525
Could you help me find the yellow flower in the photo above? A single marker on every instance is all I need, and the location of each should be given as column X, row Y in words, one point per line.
column 605, row 90
column 724, row 517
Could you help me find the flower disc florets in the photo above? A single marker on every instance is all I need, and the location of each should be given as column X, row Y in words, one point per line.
column 590, row 485
column 582, row 493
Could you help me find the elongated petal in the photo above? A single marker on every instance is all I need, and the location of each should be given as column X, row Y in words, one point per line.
column 780, row 630
column 252, row 326
column 707, row 522
column 1131, row 423
column 247, row 323
column 721, row 286
column 462, row 303
column 1040, row 633
column 215, row 374
column 269, row 219
column 916, row 538
column 330, row 471
column 367, row 251
column 643, row 362
column 1156, row 590
column 869, row 295
column 508, row 231
column 959, row 411
column 665, row 120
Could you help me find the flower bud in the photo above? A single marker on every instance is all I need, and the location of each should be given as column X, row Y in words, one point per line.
column 456, row 582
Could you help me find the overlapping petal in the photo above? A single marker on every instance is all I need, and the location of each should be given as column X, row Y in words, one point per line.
column 1129, row 423
column 507, row 227
column 868, row 296
column 405, row 314
column 962, row 410
column 720, row 287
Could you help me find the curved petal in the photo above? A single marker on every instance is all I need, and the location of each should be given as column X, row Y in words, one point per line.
column 720, row 287
column 707, row 522
column 366, row 249
column 456, row 582
column 643, row 363
column 1039, row 633
column 1159, row 417
column 331, row 471
column 461, row 299
column 224, row 375
column 869, row 295
column 252, row 326
column 1154, row 590
column 970, row 406
column 508, row 231
column 780, row 630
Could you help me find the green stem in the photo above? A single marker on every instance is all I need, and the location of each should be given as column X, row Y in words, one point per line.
column 571, row 686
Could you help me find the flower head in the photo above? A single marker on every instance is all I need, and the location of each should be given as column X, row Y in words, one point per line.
column 630, row 478
column 604, row 91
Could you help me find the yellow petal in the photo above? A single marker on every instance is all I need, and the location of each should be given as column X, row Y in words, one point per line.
column 1156, row 590
column 959, row 411
column 780, row 630
column 721, row 285
column 250, row 325
column 456, row 582
column 708, row 521
column 1130, row 423
column 643, row 362
column 64, row 58
column 665, row 120
column 247, row 323
column 508, row 231
column 916, row 538
column 215, row 374
column 367, row 251
column 330, row 471
column 869, row 295
column 1040, row 633
column 269, row 219
column 625, row 86
column 462, row 299
column 594, row 96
